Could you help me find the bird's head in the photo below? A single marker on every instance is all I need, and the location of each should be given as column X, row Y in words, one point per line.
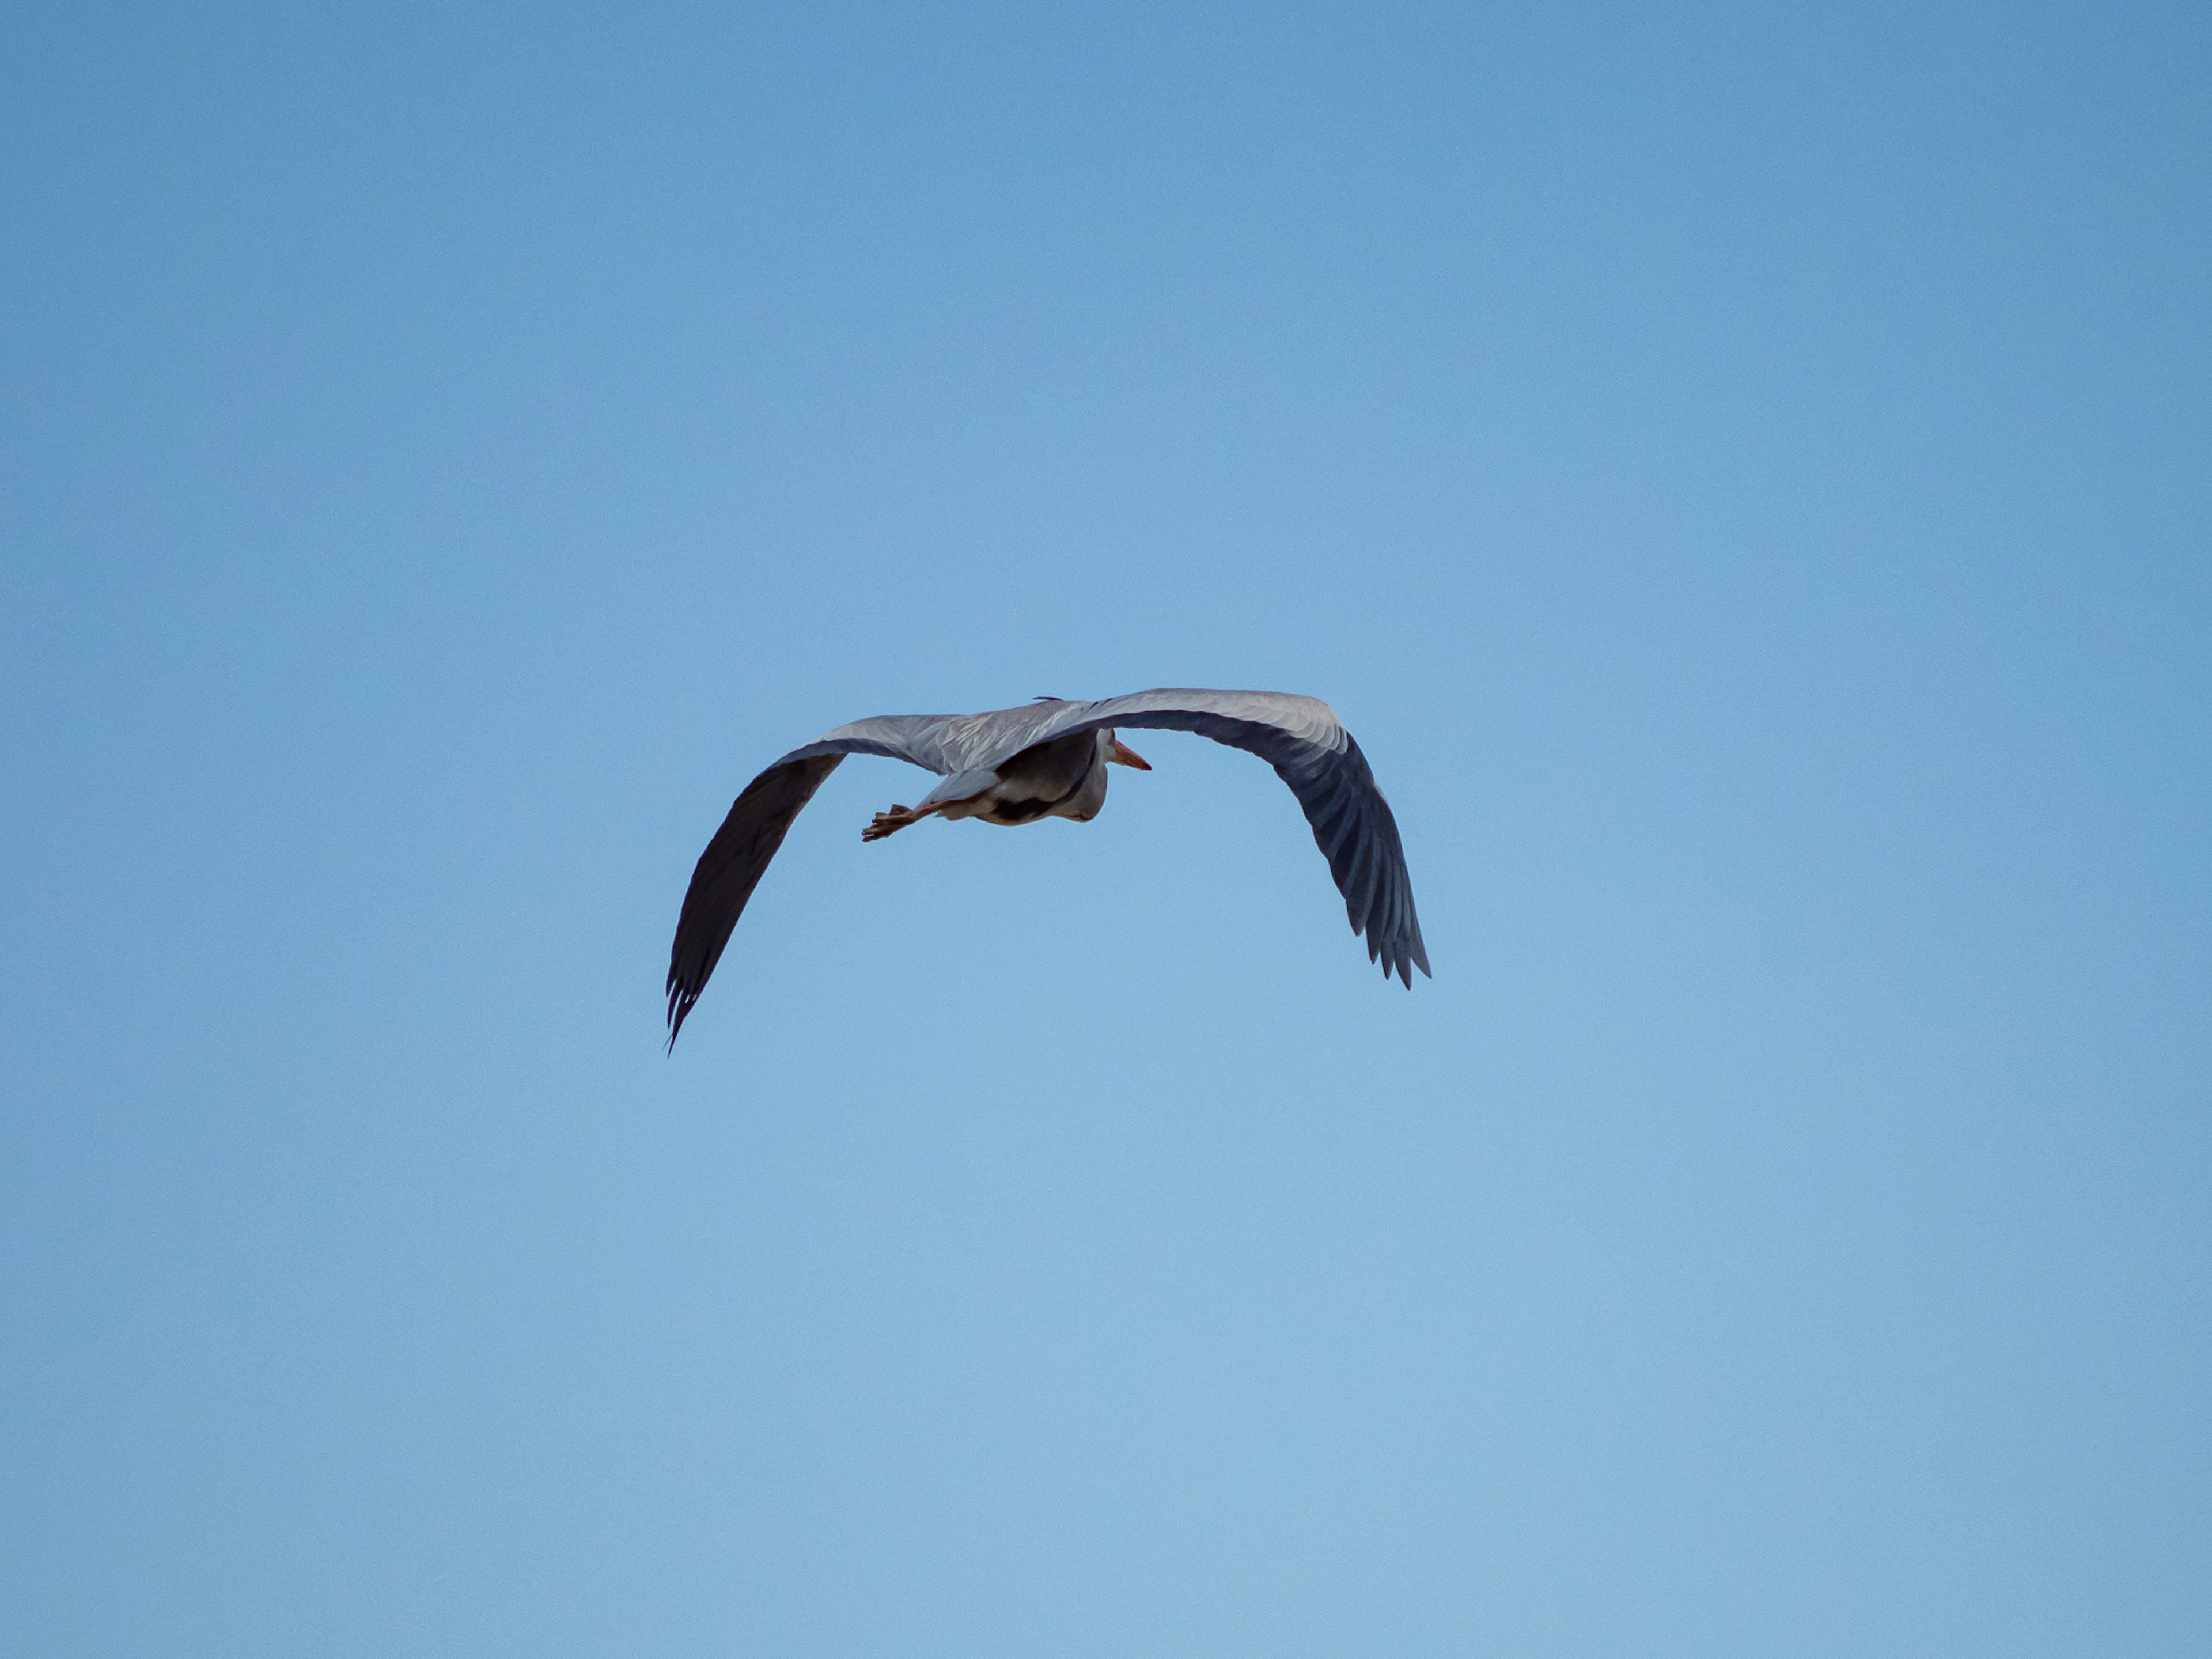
column 1120, row 752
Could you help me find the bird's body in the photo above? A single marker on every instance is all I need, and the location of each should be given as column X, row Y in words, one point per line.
column 1064, row 778
column 1049, row 759
column 1060, row 778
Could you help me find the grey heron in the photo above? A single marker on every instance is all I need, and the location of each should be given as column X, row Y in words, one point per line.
column 1049, row 759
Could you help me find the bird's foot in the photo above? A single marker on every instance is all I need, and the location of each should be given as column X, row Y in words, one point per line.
column 884, row 824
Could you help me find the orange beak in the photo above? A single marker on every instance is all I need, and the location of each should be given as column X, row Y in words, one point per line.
column 1122, row 755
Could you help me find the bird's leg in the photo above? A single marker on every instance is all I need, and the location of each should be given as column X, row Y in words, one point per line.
column 897, row 818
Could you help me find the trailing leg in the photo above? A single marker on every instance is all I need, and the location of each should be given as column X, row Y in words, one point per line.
column 885, row 823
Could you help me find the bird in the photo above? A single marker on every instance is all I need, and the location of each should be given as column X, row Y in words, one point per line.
column 1048, row 759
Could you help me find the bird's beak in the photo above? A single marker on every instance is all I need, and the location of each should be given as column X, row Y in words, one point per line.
column 1121, row 754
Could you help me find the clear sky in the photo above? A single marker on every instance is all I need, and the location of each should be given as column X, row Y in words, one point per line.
column 1741, row 471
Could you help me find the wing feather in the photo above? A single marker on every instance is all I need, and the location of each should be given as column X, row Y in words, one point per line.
column 1358, row 885
column 735, row 860
column 1301, row 738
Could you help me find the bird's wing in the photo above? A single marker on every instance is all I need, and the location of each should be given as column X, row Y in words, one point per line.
column 1301, row 738
column 732, row 867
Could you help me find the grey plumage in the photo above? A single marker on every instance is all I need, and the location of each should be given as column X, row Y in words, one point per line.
column 1013, row 764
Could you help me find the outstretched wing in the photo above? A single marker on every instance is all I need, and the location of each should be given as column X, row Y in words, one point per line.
column 1301, row 738
column 732, row 867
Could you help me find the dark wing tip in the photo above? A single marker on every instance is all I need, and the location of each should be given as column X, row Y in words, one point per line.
column 680, row 1005
column 1353, row 826
column 682, row 995
column 727, row 871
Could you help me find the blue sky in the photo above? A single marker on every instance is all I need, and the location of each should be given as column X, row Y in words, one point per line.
column 1740, row 471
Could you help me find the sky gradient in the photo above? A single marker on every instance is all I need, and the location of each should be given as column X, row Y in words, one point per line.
column 1740, row 472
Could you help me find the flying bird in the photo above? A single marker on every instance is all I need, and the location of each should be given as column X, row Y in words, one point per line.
column 1049, row 759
